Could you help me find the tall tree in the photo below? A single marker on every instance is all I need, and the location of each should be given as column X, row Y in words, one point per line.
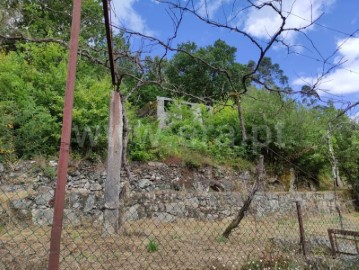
column 210, row 73
column 269, row 75
column 197, row 70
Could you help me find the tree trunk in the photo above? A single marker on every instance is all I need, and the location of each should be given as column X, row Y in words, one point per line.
column 335, row 170
column 337, row 180
column 126, row 130
column 235, row 223
column 292, row 181
column 112, row 215
column 241, row 118
column 125, row 164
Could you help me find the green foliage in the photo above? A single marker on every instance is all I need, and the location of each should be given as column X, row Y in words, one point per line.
column 345, row 140
column 222, row 239
column 23, row 107
column 270, row 74
column 152, row 246
column 147, row 94
column 197, row 136
column 32, row 85
column 287, row 133
column 199, row 74
column 52, row 18
column 7, row 147
column 42, row 165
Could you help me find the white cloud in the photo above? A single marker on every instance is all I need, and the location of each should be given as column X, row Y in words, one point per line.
column 210, row 7
column 345, row 79
column 265, row 22
column 126, row 15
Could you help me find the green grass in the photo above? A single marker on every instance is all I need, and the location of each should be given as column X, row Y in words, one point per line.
column 222, row 239
column 152, row 246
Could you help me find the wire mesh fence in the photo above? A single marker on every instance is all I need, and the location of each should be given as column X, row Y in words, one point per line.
column 167, row 229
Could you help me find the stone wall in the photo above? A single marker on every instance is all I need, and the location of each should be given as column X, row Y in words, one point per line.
column 86, row 206
column 213, row 206
column 161, row 191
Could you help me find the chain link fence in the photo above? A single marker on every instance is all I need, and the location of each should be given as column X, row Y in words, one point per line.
column 168, row 229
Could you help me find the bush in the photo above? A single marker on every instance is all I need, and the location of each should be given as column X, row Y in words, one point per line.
column 32, row 86
column 196, row 139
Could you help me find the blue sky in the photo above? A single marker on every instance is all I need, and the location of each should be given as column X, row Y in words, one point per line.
column 328, row 34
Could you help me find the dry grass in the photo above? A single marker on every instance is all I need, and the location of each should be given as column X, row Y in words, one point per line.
column 184, row 244
column 6, row 213
column 6, row 197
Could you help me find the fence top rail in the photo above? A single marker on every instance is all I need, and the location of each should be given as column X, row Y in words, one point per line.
column 343, row 232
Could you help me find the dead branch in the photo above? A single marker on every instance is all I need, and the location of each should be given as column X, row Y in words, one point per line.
column 241, row 214
column 348, row 108
column 192, row 8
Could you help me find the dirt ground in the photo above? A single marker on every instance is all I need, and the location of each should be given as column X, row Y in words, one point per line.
column 182, row 244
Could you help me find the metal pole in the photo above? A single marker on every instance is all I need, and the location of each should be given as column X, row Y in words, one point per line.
column 54, row 257
column 332, row 243
column 301, row 228
column 107, row 18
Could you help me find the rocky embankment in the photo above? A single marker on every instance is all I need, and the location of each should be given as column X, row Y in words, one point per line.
column 157, row 190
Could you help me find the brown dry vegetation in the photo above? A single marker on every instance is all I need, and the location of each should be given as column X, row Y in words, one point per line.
column 183, row 244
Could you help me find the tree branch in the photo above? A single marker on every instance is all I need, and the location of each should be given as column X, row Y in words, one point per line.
column 83, row 52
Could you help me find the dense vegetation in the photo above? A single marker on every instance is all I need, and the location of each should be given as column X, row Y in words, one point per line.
column 289, row 130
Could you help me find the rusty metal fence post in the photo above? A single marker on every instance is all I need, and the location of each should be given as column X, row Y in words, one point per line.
column 301, row 227
column 54, row 256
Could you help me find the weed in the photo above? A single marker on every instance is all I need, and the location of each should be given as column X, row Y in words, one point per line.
column 49, row 172
column 141, row 155
column 75, row 235
column 194, row 160
column 42, row 165
column 152, row 246
column 222, row 239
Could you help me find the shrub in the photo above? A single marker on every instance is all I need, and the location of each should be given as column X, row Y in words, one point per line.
column 32, row 86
